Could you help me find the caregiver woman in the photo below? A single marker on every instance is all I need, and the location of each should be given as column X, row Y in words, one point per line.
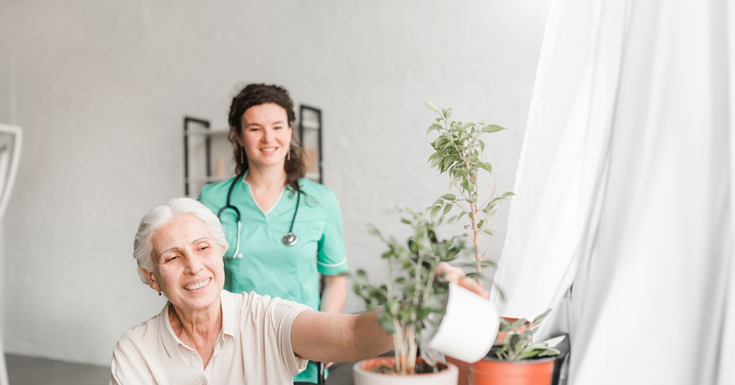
column 206, row 335
column 273, row 199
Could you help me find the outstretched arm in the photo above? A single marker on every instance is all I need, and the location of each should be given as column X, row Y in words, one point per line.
column 347, row 338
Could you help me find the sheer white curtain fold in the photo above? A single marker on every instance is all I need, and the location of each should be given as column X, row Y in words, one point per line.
column 624, row 191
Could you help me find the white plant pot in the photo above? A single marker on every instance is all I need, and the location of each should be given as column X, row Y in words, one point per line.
column 366, row 377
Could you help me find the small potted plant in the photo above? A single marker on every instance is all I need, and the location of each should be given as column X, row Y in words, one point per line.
column 518, row 359
column 413, row 299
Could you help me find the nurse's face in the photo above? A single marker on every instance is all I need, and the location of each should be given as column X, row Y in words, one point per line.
column 187, row 264
column 266, row 135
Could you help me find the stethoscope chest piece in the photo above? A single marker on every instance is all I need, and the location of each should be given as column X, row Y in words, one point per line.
column 290, row 239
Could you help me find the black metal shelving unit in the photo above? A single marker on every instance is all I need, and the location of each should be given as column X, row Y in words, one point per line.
column 314, row 125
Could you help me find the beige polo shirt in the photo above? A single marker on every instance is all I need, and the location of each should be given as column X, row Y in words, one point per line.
column 254, row 347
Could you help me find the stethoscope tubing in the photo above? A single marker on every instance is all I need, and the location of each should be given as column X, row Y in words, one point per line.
column 288, row 239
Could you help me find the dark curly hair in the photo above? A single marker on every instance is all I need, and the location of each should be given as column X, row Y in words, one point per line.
column 255, row 95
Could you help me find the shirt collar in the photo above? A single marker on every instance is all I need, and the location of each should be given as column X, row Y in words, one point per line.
column 169, row 339
column 227, row 300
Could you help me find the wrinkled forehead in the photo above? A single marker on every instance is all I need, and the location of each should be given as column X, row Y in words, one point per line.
column 179, row 233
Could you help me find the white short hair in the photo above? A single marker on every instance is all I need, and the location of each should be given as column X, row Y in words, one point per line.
column 162, row 215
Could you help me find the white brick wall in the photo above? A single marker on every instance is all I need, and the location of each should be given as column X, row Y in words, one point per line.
column 101, row 89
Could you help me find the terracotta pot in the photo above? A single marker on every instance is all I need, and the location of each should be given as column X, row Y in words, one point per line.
column 489, row 371
column 363, row 376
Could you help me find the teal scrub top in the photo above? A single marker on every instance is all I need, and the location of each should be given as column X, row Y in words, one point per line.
column 269, row 267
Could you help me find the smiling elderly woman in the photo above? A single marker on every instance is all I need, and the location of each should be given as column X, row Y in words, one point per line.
column 205, row 335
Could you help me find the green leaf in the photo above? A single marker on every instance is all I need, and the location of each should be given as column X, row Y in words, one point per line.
column 432, row 128
column 490, row 128
column 406, row 221
column 434, row 211
column 447, row 209
column 482, row 145
column 490, row 214
column 449, row 197
column 541, row 317
column 505, row 195
column 435, row 162
column 386, row 321
column 528, row 353
column 471, row 200
column 487, row 264
column 489, row 231
column 549, row 352
column 455, row 180
column 489, row 167
column 431, row 105
column 460, row 215
column 551, row 343
column 466, row 125
column 448, row 114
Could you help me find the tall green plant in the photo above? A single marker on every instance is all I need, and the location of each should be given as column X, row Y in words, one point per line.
column 459, row 152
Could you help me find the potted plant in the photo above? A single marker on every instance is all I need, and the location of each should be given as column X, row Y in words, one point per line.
column 459, row 151
column 518, row 360
column 413, row 299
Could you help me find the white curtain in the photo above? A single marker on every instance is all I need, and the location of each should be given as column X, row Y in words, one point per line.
column 624, row 210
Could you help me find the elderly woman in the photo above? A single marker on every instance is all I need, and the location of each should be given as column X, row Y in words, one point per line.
column 205, row 335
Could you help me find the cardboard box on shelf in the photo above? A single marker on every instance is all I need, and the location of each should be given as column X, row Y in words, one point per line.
column 311, row 160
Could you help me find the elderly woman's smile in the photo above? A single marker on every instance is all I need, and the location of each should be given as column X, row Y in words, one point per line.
column 187, row 263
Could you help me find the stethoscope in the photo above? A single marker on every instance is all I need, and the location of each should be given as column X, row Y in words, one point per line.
column 289, row 239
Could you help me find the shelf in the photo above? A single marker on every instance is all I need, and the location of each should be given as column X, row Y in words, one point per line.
column 206, row 132
column 311, row 125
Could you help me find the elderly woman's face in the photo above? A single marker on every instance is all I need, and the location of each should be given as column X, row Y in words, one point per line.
column 187, row 263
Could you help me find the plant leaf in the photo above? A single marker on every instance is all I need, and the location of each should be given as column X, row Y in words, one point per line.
column 432, row 128
column 553, row 341
column 490, row 128
column 541, row 317
column 434, row 211
column 447, row 209
column 431, row 105
column 549, row 352
column 449, row 197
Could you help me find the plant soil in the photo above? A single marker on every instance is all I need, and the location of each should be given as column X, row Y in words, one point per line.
column 421, row 368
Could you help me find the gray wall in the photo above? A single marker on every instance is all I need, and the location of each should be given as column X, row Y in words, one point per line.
column 101, row 88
